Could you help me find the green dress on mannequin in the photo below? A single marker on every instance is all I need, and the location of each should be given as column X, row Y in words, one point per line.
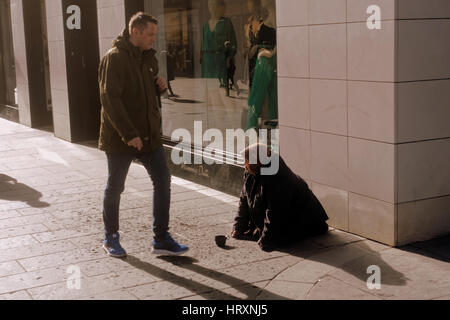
column 216, row 50
column 264, row 80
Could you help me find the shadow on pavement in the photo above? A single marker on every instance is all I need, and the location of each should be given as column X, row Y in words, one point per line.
column 438, row 248
column 12, row 190
column 351, row 257
column 198, row 288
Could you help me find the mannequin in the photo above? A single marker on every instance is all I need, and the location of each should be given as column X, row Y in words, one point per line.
column 265, row 75
column 219, row 44
column 251, row 32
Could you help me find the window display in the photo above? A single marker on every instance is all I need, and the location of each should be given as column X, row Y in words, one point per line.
column 220, row 58
column 264, row 84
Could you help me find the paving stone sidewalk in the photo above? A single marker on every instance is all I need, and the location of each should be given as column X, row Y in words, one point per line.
column 51, row 228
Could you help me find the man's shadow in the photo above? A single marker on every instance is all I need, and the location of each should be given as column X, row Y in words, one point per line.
column 196, row 287
column 12, row 190
column 363, row 255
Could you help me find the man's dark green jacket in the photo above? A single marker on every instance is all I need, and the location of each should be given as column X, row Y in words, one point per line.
column 129, row 98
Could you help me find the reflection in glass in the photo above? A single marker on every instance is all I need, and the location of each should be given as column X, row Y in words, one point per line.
column 204, row 49
column 171, row 59
column 264, row 85
column 218, row 45
column 251, row 33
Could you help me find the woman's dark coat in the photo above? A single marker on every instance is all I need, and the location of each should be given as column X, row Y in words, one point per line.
column 281, row 207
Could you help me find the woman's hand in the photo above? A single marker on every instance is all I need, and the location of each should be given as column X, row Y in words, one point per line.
column 265, row 53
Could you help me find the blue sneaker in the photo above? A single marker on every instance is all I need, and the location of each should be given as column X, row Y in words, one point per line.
column 168, row 246
column 112, row 246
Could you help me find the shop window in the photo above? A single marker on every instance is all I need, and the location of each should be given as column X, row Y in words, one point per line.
column 208, row 50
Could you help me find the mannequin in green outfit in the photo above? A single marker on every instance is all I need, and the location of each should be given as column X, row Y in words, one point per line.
column 219, row 45
column 265, row 74
column 251, row 33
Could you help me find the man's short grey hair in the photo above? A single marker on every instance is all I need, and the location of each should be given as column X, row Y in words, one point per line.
column 140, row 21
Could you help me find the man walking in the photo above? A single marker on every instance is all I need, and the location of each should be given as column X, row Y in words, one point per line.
column 131, row 129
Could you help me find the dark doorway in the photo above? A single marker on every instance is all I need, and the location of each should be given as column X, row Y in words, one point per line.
column 8, row 103
column 46, row 61
column 82, row 61
column 36, row 48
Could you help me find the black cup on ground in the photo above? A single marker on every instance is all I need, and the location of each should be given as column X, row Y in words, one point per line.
column 221, row 241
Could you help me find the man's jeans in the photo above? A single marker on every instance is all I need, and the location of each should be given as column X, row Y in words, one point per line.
column 156, row 165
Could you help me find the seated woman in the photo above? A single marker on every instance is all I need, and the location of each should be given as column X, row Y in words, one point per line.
column 276, row 210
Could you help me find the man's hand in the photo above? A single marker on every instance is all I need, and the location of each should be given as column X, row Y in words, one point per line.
column 236, row 234
column 249, row 235
column 136, row 143
column 265, row 245
column 161, row 83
